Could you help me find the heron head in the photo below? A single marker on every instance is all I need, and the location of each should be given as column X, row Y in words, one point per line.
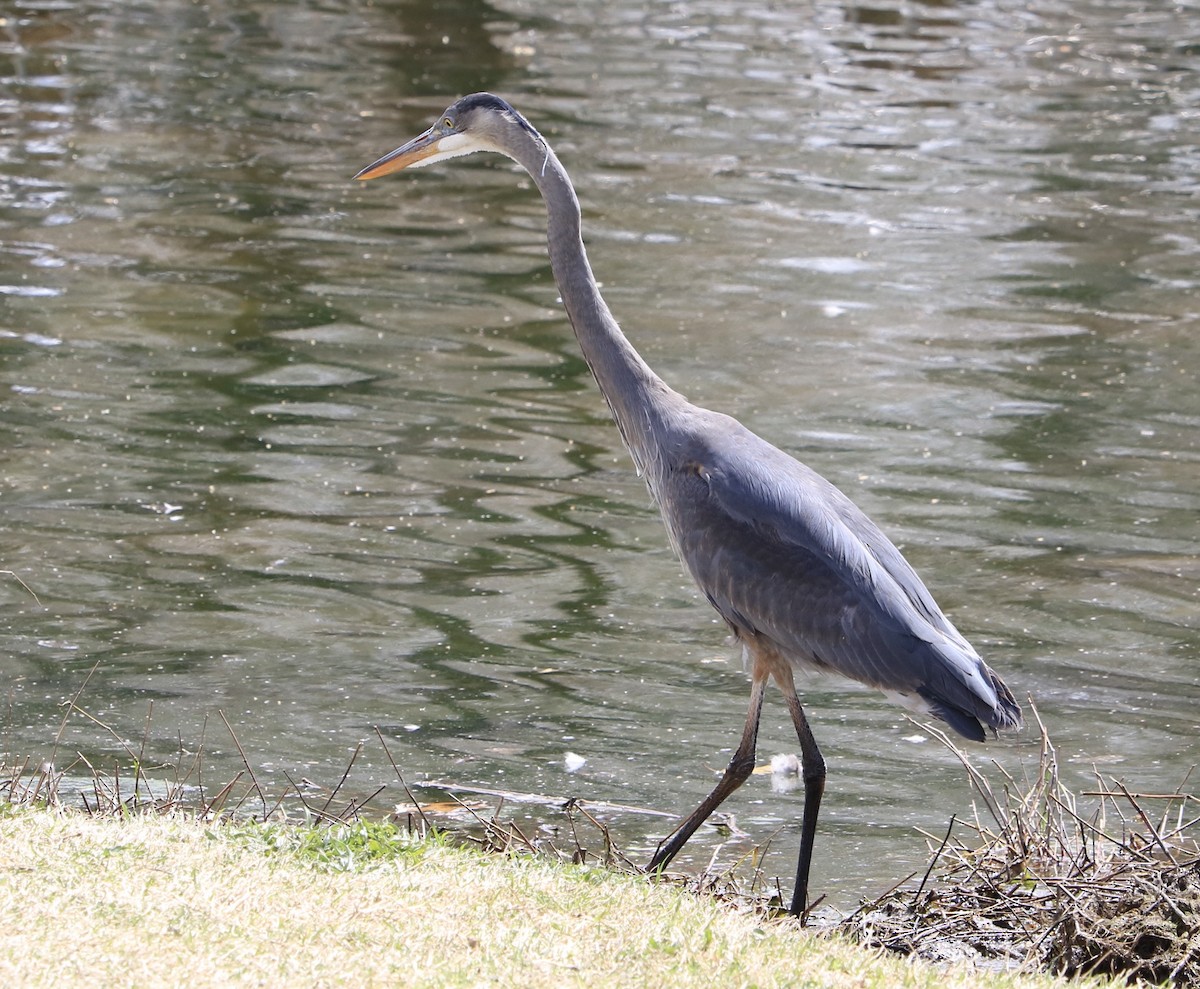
column 478, row 122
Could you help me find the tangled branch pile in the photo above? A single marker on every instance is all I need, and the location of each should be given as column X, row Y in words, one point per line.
column 1116, row 893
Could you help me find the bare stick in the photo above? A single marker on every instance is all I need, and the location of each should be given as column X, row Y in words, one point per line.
column 1146, row 821
column 933, row 861
column 245, row 761
column 17, row 578
column 400, row 776
column 345, row 776
column 71, row 706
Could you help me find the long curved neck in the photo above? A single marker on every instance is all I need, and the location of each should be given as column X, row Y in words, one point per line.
column 637, row 396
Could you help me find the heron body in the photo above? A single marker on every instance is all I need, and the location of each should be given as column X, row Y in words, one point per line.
column 798, row 572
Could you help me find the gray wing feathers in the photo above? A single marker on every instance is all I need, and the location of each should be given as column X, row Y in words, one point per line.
column 781, row 552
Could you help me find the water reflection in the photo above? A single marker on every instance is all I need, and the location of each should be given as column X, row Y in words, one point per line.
column 321, row 457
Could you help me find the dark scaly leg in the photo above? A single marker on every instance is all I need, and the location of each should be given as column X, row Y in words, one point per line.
column 812, row 765
column 739, row 770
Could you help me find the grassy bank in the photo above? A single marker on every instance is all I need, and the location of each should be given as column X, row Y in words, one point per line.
column 162, row 901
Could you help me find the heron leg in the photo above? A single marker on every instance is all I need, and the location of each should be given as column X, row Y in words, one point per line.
column 812, row 766
column 741, row 765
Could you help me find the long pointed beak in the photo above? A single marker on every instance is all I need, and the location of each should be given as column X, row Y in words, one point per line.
column 415, row 151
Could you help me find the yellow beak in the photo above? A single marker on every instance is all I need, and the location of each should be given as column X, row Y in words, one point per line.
column 415, row 151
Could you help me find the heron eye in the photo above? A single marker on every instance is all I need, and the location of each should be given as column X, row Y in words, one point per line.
column 448, row 123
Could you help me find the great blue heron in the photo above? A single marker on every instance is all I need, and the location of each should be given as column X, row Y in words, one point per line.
column 798, row 572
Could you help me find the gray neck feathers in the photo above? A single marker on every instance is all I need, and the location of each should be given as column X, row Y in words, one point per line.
column 637, row 397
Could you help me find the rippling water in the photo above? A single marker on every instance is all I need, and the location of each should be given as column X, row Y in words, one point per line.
column 320, row 457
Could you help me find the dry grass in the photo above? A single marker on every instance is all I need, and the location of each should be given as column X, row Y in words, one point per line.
column 163, row 901
column 1114, row 891
column 166, row 880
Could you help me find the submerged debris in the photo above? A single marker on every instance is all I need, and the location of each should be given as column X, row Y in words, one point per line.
column 1114, row 893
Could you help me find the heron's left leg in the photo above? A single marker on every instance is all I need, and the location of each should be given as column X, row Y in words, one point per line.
column 812, row 766
column 739, row 770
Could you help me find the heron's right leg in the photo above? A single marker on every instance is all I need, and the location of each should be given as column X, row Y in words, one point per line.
column 812, row 768
column 739, row 770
